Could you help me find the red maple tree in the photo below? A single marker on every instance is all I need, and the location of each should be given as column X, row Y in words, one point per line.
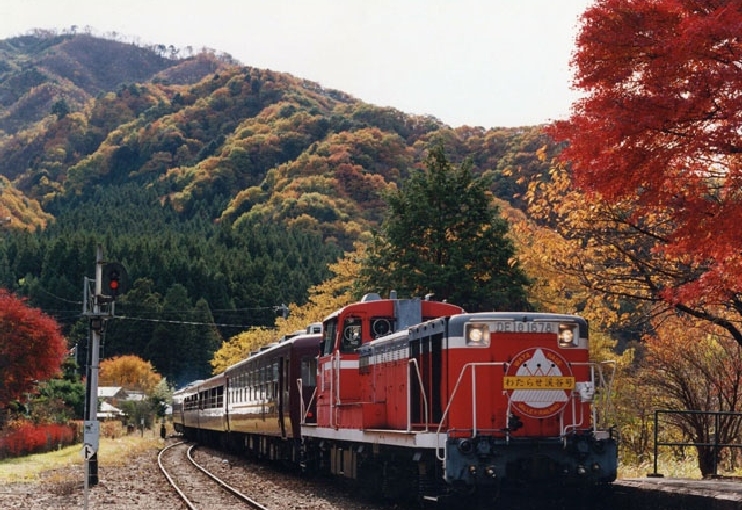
column 660, row 123
column 31, row 347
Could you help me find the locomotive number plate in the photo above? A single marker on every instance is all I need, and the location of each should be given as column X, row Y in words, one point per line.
column 525, row 327
column 538, row 383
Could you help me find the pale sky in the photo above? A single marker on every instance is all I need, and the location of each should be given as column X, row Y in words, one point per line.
column 490, row 63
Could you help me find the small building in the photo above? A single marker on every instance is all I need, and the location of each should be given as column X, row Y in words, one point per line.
column 108, row 412
column 112, row 394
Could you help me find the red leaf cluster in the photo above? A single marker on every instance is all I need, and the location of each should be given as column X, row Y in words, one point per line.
column 31, row 347
column 27, row 438
column 660, row 124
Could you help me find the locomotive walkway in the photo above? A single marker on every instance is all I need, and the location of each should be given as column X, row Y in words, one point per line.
column 674, row 493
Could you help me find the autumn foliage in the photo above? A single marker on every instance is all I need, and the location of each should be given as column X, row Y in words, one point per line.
column 130, row 372
column 659, row 125
column 31, row 347
column 696, row 366
column 25, row 438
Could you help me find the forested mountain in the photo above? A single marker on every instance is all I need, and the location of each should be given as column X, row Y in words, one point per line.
column 225, row 189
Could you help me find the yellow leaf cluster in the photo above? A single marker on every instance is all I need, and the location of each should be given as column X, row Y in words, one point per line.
column 129, row 372
column 22, row 212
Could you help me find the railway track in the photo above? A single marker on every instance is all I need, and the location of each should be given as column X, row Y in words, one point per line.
column 197, row 486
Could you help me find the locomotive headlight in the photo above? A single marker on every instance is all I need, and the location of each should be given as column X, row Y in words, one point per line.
column 568, row 335
column 477, row 334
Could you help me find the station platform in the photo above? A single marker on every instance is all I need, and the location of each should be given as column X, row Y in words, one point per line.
column 658, row 493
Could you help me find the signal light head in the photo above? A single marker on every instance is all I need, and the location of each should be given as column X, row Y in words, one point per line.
column 114, row 283
column 115, row 279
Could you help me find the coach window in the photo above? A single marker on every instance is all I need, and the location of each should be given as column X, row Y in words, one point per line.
column 253, row 384
column 274, row 380
column 285, row 379
column 309, row 371
column 263, row 374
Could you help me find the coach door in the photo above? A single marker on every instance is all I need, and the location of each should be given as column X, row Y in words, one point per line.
column 326, row 372
column 282, row 395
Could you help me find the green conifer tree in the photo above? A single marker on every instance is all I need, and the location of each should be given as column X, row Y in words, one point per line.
column 443, row 235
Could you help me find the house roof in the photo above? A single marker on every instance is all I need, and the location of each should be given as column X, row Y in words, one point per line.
column 109, row 391
column 138, row 396
column 107, row 410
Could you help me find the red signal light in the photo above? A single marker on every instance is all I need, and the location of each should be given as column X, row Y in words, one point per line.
column 114, row 279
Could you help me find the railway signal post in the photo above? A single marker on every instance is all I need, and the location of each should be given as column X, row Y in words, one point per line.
column 98, row 306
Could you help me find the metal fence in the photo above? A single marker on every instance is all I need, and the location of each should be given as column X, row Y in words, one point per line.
column 714, row 442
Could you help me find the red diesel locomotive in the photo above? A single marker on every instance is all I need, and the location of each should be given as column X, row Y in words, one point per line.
column 418, row 394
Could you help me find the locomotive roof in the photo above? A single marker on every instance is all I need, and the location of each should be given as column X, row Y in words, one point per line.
column 367, row 298
column 456, row 322
column 375, row 298
column 455, row 325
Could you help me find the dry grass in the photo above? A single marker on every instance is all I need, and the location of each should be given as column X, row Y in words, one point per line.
column 60, row 466
column 687, row 469
column 674, row 466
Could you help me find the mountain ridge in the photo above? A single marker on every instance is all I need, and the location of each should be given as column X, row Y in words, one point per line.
column 234, row 132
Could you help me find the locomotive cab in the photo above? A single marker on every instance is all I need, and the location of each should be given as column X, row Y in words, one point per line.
column 339, row 393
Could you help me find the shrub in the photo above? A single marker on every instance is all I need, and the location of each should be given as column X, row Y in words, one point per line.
column 25, row 438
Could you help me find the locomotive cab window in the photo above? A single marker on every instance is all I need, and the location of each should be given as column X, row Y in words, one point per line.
column 381, row 326
column 477, row 334
column 568, row 335
column 351, row 335
column 328, row 341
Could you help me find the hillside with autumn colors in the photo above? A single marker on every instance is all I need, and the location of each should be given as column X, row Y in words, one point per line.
column 265, row 145
column 225, row 189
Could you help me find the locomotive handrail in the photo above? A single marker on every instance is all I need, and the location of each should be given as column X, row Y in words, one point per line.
column 473, row 367
column 335, row 389
column 304, row 410
column 604, row 382
column 575, row 422
column 413, row 361
column 575, row 395
column 609, row 387
column 453, row 396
